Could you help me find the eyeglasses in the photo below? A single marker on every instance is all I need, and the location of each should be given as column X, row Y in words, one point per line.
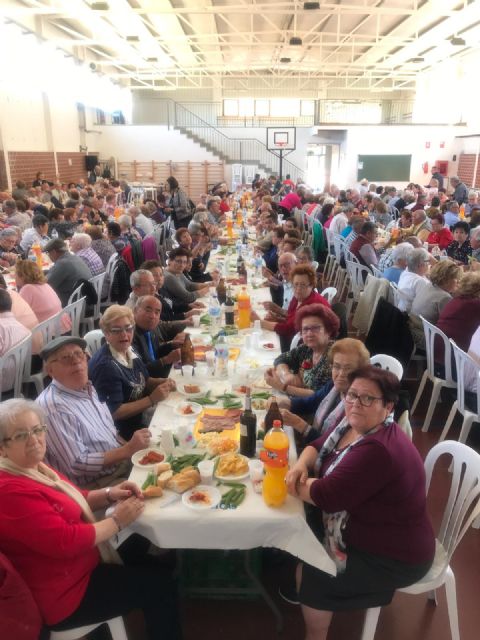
column 315, row 328
column 339, row 367
column 300, row 285
column 70, row 358
column 364, row 399
column 180, row 261
column 23, row 436
column 116, row 331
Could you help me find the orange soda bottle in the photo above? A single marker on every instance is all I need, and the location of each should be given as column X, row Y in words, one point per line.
column 229, row 227
column 244, row 309
column 37, row 250
column 274, row 455
column 462, row 212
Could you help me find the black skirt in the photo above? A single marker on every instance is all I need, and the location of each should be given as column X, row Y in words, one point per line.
column 368, row 581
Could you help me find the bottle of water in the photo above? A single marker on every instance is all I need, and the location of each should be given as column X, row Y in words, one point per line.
column 214, row 311
column 221, row 356
column 31, row 256
column 258, row 263
column 238, row 246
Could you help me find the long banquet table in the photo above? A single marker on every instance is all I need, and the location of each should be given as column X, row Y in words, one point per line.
column 253, row 524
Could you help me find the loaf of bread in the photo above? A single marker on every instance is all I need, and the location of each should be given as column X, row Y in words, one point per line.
column 153, row 492
column 186, row 479
column 164, row 477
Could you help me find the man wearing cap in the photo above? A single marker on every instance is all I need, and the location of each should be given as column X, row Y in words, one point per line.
column 82, row 440
column 67, row 270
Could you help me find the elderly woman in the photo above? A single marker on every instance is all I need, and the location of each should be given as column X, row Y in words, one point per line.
column 81, row 245
column 432, row 296
column 412, row 279
column 120, row 377
column 100, row 244
column 460, row 317
column 440, row 236
column 306, row 368
column 34, row 289
column 327, row 405
column 304, row 280
column 49, row 533
column 460, row 249
column 357, row 467
column 177, row 204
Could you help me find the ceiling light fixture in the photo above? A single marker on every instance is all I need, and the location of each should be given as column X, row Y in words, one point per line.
column 311, row 6
column 285, row 60
column 99, row 6
column 132, row 39
column 152, row 59
column 418, row 59
column 295, row 42
column 458, row 42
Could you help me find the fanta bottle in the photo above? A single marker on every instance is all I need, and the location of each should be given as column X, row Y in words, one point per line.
column 244, row 309
column 229, row 227
column 462, row 212
column 37, row 250
column 274, row 455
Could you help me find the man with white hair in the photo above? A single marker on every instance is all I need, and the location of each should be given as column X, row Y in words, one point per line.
column 475, row 242
column 286, row 264
column 400, row 255
column 8, row 242
column 460, row 193
column 80, row 244
column 413, row 278
column 16, row 218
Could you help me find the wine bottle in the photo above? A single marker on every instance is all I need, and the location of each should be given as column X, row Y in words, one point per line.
column 248, row 428
column 273, row 413
column 221, row 291
column 229, row 307
column 187, row 353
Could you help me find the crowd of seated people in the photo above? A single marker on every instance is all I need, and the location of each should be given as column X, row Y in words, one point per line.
column 97, row 409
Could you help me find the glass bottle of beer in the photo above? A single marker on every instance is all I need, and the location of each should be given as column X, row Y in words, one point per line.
column 221, row 291
column 186, row 352
column 273, row 413
column 248, row 428
column 229, row 307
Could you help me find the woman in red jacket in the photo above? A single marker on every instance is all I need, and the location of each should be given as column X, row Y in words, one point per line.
column 369, row 505
column 49, row 533
column 440, row 234
column 304, row 281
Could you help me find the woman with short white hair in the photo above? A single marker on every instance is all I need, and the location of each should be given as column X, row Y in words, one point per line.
column 80, row 244
column 399, row 256
column 412, row 279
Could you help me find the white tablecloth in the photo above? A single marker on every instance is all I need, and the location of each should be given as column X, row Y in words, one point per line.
column 253, row 524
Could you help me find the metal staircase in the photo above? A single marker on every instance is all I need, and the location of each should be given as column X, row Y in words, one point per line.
column 230, row 150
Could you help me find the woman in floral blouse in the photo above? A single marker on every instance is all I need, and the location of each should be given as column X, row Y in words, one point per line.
column 460, row 249
column 304, row 369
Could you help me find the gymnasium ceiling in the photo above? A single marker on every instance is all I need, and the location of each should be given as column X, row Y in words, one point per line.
column 245, row 45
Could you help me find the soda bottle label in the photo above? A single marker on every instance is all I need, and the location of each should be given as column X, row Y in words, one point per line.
column 275, row 457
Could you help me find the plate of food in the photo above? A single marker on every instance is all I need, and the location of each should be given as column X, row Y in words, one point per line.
column 192, row 389
column 188, row 409
column 148, row 458
column 231, row 466
column 221, row 445
column 202, row 497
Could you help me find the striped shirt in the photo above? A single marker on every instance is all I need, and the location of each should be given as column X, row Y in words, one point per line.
column 80, row 431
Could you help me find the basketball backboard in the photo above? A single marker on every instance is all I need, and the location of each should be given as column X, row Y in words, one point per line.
column 281, row 138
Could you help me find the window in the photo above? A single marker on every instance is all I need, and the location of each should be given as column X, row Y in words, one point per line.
column 230, row 107
column 285, row 107
column 246, row 107
column 262, row 107
column 307, row 107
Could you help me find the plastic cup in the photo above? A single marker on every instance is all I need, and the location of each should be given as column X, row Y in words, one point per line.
column 166, row 441
column 205, row 468
column 196, row 321
column 257, row 327
column 255, row 468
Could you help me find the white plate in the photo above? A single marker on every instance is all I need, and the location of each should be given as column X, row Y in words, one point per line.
column 163, row 501
column 213, row 493
column 191, row 394
column 231, row 478
column 196, row 409
column 139, row 455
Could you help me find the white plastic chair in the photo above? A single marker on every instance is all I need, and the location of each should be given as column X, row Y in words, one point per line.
column 433, row 336
column 331, row 262
column 97, row 282
column 376, row 272
column 49, row 329
column 389, row 363
column 16, row 359
column 358, row 274
column 93, row 340
column 75, row 295
column 75, row 311
column 329, row 293
column 462, row 507
column 463, row 362
column 295, row 340
column 116, row 626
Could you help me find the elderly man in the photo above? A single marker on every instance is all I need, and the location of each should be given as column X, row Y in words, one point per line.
column 8, row 243
column 14, row 217
column 460, row 193
column 149, row 341
column 81, row 245
column 214, row 211
column 421, row 225
column 413, row 278
column 11, row 333
column 82, row 440
column 362, row 247
column 451, row 214
column 36, row 234
column 67, row 269
column 281, row 287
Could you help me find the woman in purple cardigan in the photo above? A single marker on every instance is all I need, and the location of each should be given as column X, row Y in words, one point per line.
column 368, row 487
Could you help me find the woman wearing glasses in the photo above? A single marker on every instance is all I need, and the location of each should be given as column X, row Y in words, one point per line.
column 49, row 533
column 119, row 376
column 368, row 490
column 306, row 368
column 304, row 281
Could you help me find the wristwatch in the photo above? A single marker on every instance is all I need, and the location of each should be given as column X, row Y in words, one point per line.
column 108, row 496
